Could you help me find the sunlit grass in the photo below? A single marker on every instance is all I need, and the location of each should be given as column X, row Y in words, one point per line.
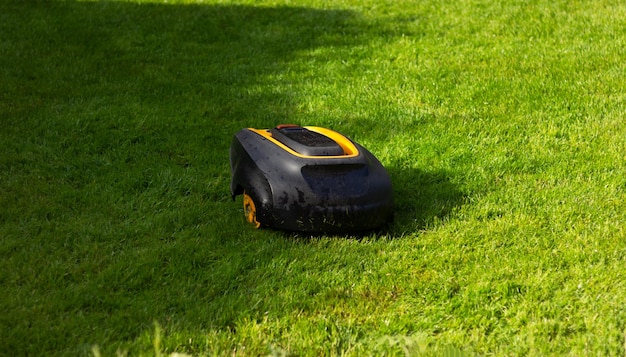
column 501, row 124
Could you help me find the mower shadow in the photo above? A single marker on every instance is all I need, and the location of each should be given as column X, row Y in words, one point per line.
column 421, row 199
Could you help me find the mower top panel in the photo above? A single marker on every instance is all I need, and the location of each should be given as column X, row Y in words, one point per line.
column 306, row 142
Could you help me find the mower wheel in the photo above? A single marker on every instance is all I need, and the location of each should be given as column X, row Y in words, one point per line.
column 249, row 210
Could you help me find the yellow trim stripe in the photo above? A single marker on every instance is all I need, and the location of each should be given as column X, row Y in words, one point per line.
column 347, row 146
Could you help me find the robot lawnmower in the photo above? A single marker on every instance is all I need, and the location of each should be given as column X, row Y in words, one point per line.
column 308, row 179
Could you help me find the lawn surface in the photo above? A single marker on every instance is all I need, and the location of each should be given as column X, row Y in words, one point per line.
column 502, row 124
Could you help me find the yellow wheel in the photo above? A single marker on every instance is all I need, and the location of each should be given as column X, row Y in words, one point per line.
column 249, row 209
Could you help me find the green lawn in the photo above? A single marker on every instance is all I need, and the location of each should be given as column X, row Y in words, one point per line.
column 502, row 124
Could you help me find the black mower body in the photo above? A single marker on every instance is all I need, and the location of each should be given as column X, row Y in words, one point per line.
column 310, row 179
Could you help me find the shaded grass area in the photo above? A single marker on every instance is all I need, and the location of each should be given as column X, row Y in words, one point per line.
column 501, row 124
